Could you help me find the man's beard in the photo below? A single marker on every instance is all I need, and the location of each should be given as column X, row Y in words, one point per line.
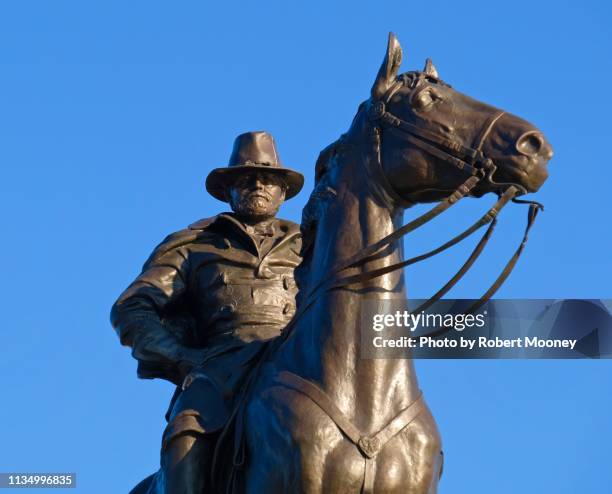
column 254, row 207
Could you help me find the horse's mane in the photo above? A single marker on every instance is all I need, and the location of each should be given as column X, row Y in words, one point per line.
column 325, row 156
column 308, row 225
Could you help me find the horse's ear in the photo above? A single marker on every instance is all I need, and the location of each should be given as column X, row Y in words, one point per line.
column 430, row 69
column 388, row 70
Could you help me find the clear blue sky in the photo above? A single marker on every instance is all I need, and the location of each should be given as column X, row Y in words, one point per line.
column 111, row 115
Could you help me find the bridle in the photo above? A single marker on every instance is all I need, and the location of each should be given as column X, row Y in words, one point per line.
column 471, row 160
column 468, row 159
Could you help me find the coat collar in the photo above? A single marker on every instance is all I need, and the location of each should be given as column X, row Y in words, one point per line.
column 285, row 230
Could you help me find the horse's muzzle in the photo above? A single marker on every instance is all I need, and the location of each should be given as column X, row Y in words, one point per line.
column 520, row 151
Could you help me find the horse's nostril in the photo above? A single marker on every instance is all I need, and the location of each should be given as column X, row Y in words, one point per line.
column 530, row 143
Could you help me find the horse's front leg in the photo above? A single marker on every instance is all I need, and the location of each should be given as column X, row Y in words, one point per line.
column 293, row 446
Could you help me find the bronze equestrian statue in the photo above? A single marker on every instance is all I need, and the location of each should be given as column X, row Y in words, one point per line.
column 314, row 416
column 206, row 299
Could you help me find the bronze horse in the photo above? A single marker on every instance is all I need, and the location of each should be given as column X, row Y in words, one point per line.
column 321, row 419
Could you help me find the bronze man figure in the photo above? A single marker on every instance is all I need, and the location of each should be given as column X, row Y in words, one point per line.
column 207, row 299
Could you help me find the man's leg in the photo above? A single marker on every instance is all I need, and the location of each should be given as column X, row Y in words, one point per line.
column 189, row 440
column 186, row 461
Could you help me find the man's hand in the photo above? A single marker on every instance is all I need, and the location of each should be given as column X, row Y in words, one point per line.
column 153, row 344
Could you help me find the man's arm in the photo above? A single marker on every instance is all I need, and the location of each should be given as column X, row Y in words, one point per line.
column 137, row 318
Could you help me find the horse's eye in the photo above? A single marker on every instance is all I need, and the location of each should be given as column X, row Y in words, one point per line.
column 424, row 99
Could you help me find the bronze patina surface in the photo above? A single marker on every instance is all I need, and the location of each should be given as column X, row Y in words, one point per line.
column 315, row 416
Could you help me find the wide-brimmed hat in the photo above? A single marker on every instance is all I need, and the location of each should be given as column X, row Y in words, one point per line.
column 253, row 152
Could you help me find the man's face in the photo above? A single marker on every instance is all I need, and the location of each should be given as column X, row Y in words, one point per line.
column 257, row 196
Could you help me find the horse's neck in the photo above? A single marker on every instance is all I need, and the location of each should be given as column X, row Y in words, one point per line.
column 325, row 345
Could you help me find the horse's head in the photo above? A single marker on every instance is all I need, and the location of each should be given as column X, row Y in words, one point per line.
column 431, row 137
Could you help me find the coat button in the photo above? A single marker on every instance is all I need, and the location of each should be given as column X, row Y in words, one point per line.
column 286, row 283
